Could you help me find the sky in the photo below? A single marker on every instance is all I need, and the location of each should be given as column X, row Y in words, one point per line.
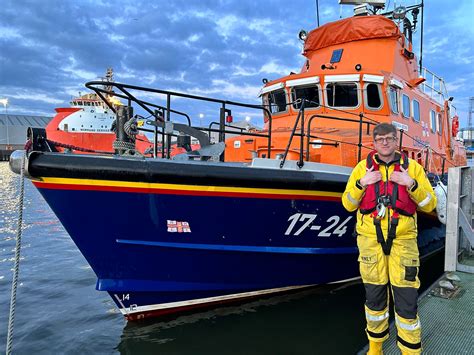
column 49, row 49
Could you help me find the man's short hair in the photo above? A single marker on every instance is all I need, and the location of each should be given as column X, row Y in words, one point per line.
column 384, row 128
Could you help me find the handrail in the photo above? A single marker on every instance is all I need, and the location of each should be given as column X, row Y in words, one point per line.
column 335, row 140
column 209, row 129
column 97, row 87
column 164, row 113
column 436, row 87
column 360, row 121
column 285, row 154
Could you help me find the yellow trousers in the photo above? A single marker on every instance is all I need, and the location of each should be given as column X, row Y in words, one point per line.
column 398, row 271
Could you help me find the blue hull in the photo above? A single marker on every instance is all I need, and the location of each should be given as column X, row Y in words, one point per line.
column 235, row 245
column 169, row 236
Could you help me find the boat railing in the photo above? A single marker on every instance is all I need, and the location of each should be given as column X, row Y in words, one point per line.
column 434, row 86
column 364, row 123
column 361, row 121
column 163, row 113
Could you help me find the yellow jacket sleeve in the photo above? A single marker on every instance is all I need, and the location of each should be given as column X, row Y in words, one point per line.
column 353, row 193
column 422, row 193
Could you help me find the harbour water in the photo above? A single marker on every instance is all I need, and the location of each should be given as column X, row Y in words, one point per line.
column 59, row 311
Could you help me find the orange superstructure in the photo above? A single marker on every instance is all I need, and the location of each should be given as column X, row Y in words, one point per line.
column 357, row 69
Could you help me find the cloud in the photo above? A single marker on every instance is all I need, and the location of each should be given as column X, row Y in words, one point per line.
column 34, row 96
column 436, row 45
column 210, row 47
column 274, row 68
column 456, row 85
column 224, row 88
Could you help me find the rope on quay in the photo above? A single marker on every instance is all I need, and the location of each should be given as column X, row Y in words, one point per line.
column 16, row 269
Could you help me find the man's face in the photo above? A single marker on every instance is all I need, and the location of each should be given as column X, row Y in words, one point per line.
column 385, row 145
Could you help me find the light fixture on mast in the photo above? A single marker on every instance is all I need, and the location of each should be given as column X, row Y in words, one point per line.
column 361, row 7
column 375, row 3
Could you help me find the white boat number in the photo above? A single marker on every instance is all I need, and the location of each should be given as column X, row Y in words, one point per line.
column 306, row 221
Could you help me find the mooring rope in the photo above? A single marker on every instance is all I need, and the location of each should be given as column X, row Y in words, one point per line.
column 16, row 269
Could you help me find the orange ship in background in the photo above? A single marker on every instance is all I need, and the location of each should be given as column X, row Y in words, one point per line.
column 87, row 125
column 358, row 69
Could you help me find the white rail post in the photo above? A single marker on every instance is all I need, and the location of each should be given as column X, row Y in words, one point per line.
column 459, row 231
column 452, row 216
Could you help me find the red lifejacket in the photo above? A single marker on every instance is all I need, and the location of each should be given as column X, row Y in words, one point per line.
column 394, row 194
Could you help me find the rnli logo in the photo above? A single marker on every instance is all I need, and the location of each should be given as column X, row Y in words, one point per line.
column 178, row 227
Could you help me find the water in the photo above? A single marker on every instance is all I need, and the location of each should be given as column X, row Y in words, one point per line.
column 59, row 311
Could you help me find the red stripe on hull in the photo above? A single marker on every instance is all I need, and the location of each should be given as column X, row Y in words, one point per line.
column 42, row 185
column 209, row 305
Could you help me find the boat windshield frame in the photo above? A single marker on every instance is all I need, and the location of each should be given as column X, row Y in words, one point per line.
column 393, row 94
column 309, row 105
column 343, row 83
column 366, row 96
column 266, row 101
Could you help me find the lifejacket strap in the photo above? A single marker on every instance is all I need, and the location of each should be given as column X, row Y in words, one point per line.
column 392, row 233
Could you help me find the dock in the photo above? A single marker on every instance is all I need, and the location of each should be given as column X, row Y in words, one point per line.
column 447, row 321
column 446, row 308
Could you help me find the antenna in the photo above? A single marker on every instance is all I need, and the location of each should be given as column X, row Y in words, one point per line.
column 317, row 11
column 109, row 78
column 469, row 122
column 421, row 35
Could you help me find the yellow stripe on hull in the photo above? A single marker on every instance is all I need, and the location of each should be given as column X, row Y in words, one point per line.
column 203, row 188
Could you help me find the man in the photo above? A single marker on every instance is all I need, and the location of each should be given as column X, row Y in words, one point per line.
column 386, row 189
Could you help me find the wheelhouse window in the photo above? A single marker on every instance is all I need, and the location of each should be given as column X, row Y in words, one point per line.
column 440, row 124
column 275, row 101
column 394, row 99
column 308, row 93
column 416, row 111
column 373, row 97
column 433, row 121
column 405, row 106
column 342, row 95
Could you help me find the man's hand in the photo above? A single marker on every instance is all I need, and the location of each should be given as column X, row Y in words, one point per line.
column 370, row 177
column 401, row 178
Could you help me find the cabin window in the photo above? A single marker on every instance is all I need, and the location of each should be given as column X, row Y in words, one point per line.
column 373, row 97
column 440, row 124
column 310, row 93
column 394, row 99
column 405, row 106
column 416, row 111
column 433, row 121
column 276, row 101
column 342, row 95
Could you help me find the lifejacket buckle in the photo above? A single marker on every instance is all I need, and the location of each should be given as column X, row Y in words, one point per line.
column 380, row 210
column 385, row 200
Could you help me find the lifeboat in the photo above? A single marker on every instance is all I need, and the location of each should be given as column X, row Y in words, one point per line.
column 259, row 211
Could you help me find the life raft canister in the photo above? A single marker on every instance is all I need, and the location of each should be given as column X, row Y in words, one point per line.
column 455, row 126
column 397, row 196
